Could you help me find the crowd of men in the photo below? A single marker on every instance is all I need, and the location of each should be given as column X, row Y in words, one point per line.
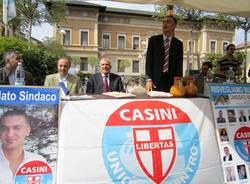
column 164, row 61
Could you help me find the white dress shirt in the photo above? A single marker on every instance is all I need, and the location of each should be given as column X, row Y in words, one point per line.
column 6, row 176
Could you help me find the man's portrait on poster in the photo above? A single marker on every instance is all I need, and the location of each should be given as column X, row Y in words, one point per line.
column 220, row 118
column 231, row 116
column 26, row 134
column 242, row 172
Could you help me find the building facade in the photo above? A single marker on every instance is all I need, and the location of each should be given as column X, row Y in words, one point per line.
column 241, row 47
column 122, row 34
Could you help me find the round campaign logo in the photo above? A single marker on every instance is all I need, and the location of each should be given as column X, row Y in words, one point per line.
column 34, row 172
column 242, row 143
column 150, row 142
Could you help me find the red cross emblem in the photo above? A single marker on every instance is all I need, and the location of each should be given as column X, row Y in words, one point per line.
column 155, row 150
column 34, row 180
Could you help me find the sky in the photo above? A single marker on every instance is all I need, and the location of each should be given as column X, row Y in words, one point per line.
column 45, row 30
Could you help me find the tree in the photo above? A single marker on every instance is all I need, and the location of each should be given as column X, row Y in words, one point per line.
column 124, row 63
column 213, row 58
column 40, row 60
column 92, row 62
column 36, row 12
column 244, row 23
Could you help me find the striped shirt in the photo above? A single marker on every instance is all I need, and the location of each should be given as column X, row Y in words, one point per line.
column 226, row 63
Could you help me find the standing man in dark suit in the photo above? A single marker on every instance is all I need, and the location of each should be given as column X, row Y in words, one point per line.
column 164, row 58
column 105, row 81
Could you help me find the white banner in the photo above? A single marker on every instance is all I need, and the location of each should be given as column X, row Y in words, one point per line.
column 231, row 108
column 138, row 141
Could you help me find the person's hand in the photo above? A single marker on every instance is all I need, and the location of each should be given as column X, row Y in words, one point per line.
column 149, row 86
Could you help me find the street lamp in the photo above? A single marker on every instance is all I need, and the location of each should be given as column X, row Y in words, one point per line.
column 62, row 31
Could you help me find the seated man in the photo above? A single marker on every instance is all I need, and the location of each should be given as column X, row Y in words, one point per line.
column 226, row 62
column 70, row 84
column 199, row 79
column 14, row 128
column 105, row 81
column 7, row 73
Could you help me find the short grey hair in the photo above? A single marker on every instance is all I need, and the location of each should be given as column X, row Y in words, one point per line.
column 10, row 53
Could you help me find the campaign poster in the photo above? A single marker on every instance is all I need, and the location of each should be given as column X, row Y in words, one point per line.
column 231, row 108
column 138, row 141
column 28, row 135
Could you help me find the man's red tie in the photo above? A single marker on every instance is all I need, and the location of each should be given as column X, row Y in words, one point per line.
column 105, row 84
column 166, row 55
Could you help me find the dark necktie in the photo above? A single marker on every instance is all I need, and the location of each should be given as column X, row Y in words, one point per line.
column 105, row 84
column 166, row 55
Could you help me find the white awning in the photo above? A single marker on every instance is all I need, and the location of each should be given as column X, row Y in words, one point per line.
column 231, row 7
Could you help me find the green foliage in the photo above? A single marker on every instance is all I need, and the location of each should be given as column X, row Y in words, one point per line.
column 191, row 15
column 11, row 43
column 75, row 59
column 160, row 12
column 31, row 13
column 243, row 23
column 53, row 45
column 222, row 18
column 213, row 58
column 83, row 75
column 240, row 56
column 92, row 61
column 124, row 63
column 39, row 60
column 179, row 12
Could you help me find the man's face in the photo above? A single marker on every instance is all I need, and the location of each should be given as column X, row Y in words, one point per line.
column 63, row 66
column 242, row 170
column 230, row 114
column 220, row 113
column 11, row 63
column 231, row 50
column 105, row 66
column 226, row 150
column 13, row 131
column 168, row 25
column 222, row 99
column 204, row 69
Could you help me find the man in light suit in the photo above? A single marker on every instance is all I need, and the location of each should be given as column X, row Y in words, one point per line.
column 69, row 84
column 164, row 59
column 105, row 81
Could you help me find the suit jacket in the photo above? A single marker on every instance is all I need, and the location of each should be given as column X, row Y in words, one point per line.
column 74, row 83
column 155, row 59
column 229, row 158
column 4, row 77
column 95, row 84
